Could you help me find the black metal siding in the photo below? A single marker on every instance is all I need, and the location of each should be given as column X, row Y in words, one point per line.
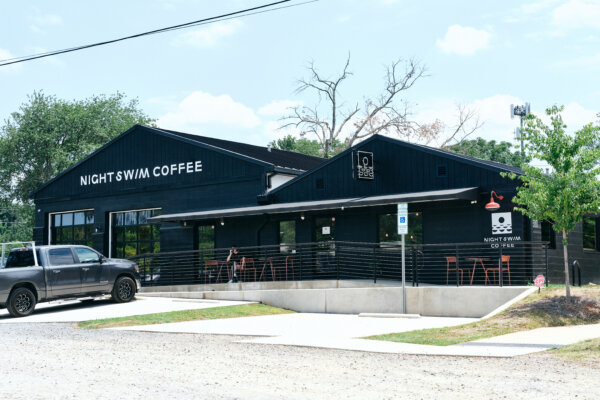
column 398, row 169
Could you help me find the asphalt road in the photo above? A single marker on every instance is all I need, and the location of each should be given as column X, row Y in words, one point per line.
column 59, row 361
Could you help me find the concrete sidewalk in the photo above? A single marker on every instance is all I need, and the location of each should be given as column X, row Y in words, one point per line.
column 342, row 332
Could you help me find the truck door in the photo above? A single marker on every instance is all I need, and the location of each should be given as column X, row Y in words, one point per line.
column 91, row 270
column 64, row 274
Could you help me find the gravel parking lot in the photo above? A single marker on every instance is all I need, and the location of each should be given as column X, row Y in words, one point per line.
column 58, row 361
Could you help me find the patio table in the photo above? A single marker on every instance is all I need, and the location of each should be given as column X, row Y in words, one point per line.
column 476, row 260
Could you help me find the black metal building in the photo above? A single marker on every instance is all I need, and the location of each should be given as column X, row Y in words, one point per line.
column 153, row 190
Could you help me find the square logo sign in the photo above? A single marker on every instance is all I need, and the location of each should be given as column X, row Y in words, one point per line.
column 364, row 165
column 402, row 220
column 501, row 223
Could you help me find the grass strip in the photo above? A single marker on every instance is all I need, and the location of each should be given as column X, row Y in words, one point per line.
column 539, row 310
column 588, row 350
column 247, row 310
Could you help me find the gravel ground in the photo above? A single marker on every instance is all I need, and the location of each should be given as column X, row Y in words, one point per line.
column 58, row 361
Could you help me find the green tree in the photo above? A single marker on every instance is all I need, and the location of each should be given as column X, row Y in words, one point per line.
column 16, row 221
column 489, row 150
column 45, row 137
column 572, row 189
column 307, row 146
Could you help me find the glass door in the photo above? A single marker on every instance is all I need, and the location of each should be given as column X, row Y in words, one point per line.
column 325, row 248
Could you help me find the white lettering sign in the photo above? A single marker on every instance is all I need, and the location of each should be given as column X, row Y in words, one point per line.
column 190, row 167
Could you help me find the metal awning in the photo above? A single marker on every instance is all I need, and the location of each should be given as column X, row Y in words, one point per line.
column 434, row 195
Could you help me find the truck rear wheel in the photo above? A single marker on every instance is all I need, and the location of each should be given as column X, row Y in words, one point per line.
column 21, row 302
column 124, row 290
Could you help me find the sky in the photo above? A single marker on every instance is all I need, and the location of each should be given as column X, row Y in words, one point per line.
column 235, row 79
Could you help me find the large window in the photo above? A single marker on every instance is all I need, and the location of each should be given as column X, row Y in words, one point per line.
column 548, row 234
column 388, row 229
column 589, row 233
column 206, row 237
column 287, row 236
column 72, row 227
column 133, row 234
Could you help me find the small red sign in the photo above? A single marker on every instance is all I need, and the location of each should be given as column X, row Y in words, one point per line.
column 539, row 281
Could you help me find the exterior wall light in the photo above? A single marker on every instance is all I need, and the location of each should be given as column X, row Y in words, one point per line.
column 302, row 216
column 492, row 205
column 222, row 222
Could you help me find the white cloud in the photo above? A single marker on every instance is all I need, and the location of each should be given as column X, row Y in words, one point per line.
column 464, row 40
column 591, row 61
column 6, row 55
column 577, row 14
column 44, row 20
column 209, row 36
column 201, row 110
column 278, row 107
column 576, row 116
column 47, row 19
column 494, row 112
column 537, row 6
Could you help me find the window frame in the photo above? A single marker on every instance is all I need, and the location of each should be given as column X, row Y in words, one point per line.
column 595, row 234
column 552, row 238
column 408, row 241
column 87, row 241
column 113, row 215
column 287, row 247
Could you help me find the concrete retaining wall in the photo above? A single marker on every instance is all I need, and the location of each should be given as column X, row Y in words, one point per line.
column 439, row 301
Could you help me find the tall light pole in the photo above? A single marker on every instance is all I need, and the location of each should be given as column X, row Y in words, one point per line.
column 520, row 111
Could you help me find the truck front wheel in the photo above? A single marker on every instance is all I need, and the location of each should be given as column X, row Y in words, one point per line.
column 124, row 290
column 21, row 302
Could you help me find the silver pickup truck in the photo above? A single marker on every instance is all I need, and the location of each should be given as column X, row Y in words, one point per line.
column 33, row 274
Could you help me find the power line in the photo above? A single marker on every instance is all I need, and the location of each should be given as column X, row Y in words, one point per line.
column 236, row 14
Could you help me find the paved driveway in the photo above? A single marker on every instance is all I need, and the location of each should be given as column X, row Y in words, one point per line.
column 74, row 310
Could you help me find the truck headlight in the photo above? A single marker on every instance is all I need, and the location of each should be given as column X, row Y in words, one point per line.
column 136, row 268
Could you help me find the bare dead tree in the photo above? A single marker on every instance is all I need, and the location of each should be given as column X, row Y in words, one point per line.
column 468, row 122
column 382, row 114
column 330, row 121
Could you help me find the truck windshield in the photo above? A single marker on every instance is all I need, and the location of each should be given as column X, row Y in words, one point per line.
column 21, row 258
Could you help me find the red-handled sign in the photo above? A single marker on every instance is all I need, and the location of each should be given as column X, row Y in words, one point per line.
column 539, row 281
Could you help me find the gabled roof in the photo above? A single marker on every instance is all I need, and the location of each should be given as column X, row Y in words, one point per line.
column 494, row 164
column 279, row 158
column 281, row 161
column 478, row 162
